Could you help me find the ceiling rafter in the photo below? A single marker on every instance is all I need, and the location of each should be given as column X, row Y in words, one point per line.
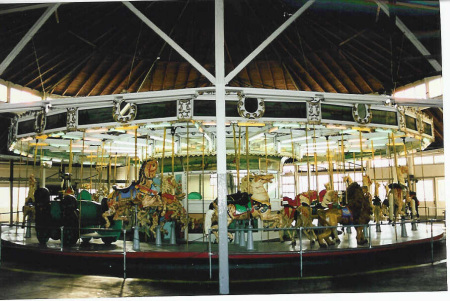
column 332, row 64
column 122, row 86
column 94, row 74
column 105, row 76
column 117, row 78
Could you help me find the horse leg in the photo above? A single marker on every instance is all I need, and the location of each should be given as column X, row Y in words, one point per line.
column 360, row 239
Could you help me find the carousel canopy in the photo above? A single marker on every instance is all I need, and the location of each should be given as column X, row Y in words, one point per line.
column 95, row 49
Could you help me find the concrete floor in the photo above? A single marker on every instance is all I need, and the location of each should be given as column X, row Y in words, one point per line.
column 18, row 282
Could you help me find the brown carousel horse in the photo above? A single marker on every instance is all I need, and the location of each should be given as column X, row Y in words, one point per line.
column 143, row 194
column 171, row 196
column 248, row 203
column 357, row 212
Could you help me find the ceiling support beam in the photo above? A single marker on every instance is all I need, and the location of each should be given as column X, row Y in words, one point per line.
column 221, row 148
column 424, row 51
column 264, row 44
column 171, row 42
column 31, row 32
column 23, row 8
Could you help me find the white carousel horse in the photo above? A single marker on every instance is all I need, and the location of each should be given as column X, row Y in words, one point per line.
column 253, row 202
column 397, row 193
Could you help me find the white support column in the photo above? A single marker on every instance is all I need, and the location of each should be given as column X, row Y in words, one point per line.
column 410, row 36
column 264, row 44
column 221, row 148
column 31, row 32
column 171, row 42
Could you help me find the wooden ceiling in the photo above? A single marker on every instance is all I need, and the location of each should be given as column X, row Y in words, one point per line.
column 350, row 46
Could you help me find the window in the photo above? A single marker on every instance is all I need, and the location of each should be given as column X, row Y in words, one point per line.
column 435, row 87
column 3, row 93
column 19, row 96
column 425, row 190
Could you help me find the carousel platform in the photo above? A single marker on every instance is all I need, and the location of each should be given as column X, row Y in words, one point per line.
column 199, row 259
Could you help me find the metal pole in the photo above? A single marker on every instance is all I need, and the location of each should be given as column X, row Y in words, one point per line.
column 62, row 238
column 432, row 245
column 370, row 238
column 11, row 190
column 124, row 254
column 209, row 254
column 0, row 244
column 221, row 147
column 301, row 251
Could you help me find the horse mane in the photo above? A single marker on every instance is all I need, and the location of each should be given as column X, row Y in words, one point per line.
column 358, row 204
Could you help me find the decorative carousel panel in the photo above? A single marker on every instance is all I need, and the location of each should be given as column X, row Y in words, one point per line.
column 12, row 135
column 362, row 113
column 338, row 113
column 124, row 111
column 95, row 116
column 384, row 117
column 72, row 119
column 184, row 111
column 276, row 109
column 56, row 121
column 25, row 127
column 157, row 110
column 314, row 111
column 40, row 121
column 251, row 108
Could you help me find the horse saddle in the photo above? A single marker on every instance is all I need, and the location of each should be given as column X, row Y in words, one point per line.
column 397, row 186
column 376, row 201
column 125, row 191
column 241, row 209
column 347, row 215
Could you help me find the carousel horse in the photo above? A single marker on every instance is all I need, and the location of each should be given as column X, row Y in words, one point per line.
column 171, row 196
column 304, row 213
column 251, row 203
column 288, row 214
column 142, row 194
column 28, row 210
column 377, row 205
column 357, row 212
column 299, row 211
column 397, row 193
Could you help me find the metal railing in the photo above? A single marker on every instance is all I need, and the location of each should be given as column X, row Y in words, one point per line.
column 299, row 230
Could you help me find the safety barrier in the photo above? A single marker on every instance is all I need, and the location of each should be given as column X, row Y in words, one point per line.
column 240, row 236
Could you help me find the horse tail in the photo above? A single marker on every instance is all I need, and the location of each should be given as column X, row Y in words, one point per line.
column 208, row 220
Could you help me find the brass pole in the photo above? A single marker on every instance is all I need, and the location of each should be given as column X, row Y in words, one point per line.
column 293, row 163
column 135, row 155
column 162, row 157
column 307, row 159
column 315, row 162
column 248, row 162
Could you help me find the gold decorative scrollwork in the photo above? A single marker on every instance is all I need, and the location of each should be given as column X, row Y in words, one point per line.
column 362, row 113
column 124, row 112
column 261, row 108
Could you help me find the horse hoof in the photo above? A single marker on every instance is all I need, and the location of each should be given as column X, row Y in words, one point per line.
column 294, row 243
column 312, row 243
column 338, row 241
column 323, row 245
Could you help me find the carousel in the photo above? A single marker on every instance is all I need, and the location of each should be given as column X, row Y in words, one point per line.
column 142, row 168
